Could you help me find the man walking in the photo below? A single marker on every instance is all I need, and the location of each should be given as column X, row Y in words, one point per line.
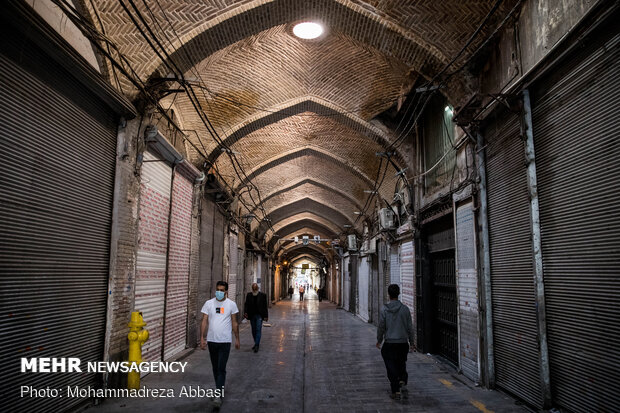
column 218, row 319
column 301, row 293
column 396, row 332
column 255, row 310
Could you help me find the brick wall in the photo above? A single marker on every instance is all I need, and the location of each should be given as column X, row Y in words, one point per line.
column 122, row 248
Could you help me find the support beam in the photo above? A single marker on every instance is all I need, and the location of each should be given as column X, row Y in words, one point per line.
column 489, row 376
column 527, row 132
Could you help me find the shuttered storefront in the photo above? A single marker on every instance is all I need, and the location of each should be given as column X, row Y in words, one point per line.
column 441, row 254
column 234, row 292
column 177, row 289
column 517, row 361
column 57, row 156
column 156, row 182
column 394, row 264
column 406, row 266
column 577, row 144
column 362, row 287
column 346, row 275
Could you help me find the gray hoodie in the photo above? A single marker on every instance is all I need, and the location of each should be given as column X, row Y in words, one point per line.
column 395, row 323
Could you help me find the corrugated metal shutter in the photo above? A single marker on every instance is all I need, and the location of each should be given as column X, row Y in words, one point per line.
column 362, row 285
column 233, row 292
column 177, row 290
column 577, row 143
column 406, row 275
column 347, row 282
column 156, row 179
column 467, row 285
column 394, row 264
column 517, row 361
column 58, row 156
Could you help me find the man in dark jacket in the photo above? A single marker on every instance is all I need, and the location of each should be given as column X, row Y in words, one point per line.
column 255, row 310
column 396, row 332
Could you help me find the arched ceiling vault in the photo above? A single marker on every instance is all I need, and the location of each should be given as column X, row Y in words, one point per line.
column 300, row 115
column 305, row 205
column 315, row 260
column 302, row 225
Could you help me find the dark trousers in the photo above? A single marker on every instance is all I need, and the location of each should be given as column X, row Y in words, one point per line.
column 219, row 357
column 301, row 296
column 395, row 359
column 256, row 321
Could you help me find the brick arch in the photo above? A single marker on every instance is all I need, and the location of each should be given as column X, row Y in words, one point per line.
column 299, row 206
column 314, row 182
column 305, row 256
column 318, row 194
column 308, row 104
column 287, row 239
column 341, row 16
column 291, row 229
column 308, row 218
column 307, row 248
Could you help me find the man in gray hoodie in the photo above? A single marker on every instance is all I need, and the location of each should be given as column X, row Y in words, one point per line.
column 395, row 331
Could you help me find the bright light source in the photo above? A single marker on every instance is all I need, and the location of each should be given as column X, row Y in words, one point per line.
column 308, row 30
column 448, row 109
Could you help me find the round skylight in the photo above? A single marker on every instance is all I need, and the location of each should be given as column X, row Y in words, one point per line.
column 308, row 30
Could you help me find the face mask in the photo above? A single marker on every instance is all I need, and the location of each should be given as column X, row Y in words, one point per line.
column 220, row 295
column 255, row 292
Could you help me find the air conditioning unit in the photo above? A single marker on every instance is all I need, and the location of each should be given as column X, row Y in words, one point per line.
column 352, row 242
column 386, row 218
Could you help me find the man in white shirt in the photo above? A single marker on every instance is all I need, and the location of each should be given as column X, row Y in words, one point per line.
column 218, row 319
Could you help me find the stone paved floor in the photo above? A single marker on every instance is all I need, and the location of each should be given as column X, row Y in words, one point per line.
column 315, row 358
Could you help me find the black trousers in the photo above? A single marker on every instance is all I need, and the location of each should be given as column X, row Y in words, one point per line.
column 219, row 357
column 395, row 359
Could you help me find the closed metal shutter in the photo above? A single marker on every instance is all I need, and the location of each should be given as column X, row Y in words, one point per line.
column 406, row 275
column 362, row 285
column 347, row 282
column 577, row 143
column 156, row 179
column 206, row 259
column 177, row 290
column 57, row 157
column 394, row 264
column 517, row 361
column 233, row 293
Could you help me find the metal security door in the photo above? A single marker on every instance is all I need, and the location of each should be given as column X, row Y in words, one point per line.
column 577, row 144
column 444, row 333
column 58, row 156
column 517, row 361
column 156, row 180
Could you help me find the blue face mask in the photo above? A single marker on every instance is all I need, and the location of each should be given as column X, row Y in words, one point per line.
column 220, row 295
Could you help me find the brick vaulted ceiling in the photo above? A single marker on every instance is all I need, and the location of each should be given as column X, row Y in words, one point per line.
column 299, row 115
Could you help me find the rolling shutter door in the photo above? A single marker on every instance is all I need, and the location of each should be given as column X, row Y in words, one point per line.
column 362, row 285
column 177, row 290
column 347, row 282
column 406, row 275
column 394, row 264
column 152, row 244
column 58, row 156
column 517, row 361
column 577, row 143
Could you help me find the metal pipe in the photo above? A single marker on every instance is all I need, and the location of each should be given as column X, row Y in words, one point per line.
column 486, row 263
column 537, row 247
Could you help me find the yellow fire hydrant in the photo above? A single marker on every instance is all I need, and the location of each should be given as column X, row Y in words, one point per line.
column 137, row 336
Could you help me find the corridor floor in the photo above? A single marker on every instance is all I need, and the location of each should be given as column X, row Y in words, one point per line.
column 315, row 358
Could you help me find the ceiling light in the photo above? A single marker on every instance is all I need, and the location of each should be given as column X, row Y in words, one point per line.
column 308, row 30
